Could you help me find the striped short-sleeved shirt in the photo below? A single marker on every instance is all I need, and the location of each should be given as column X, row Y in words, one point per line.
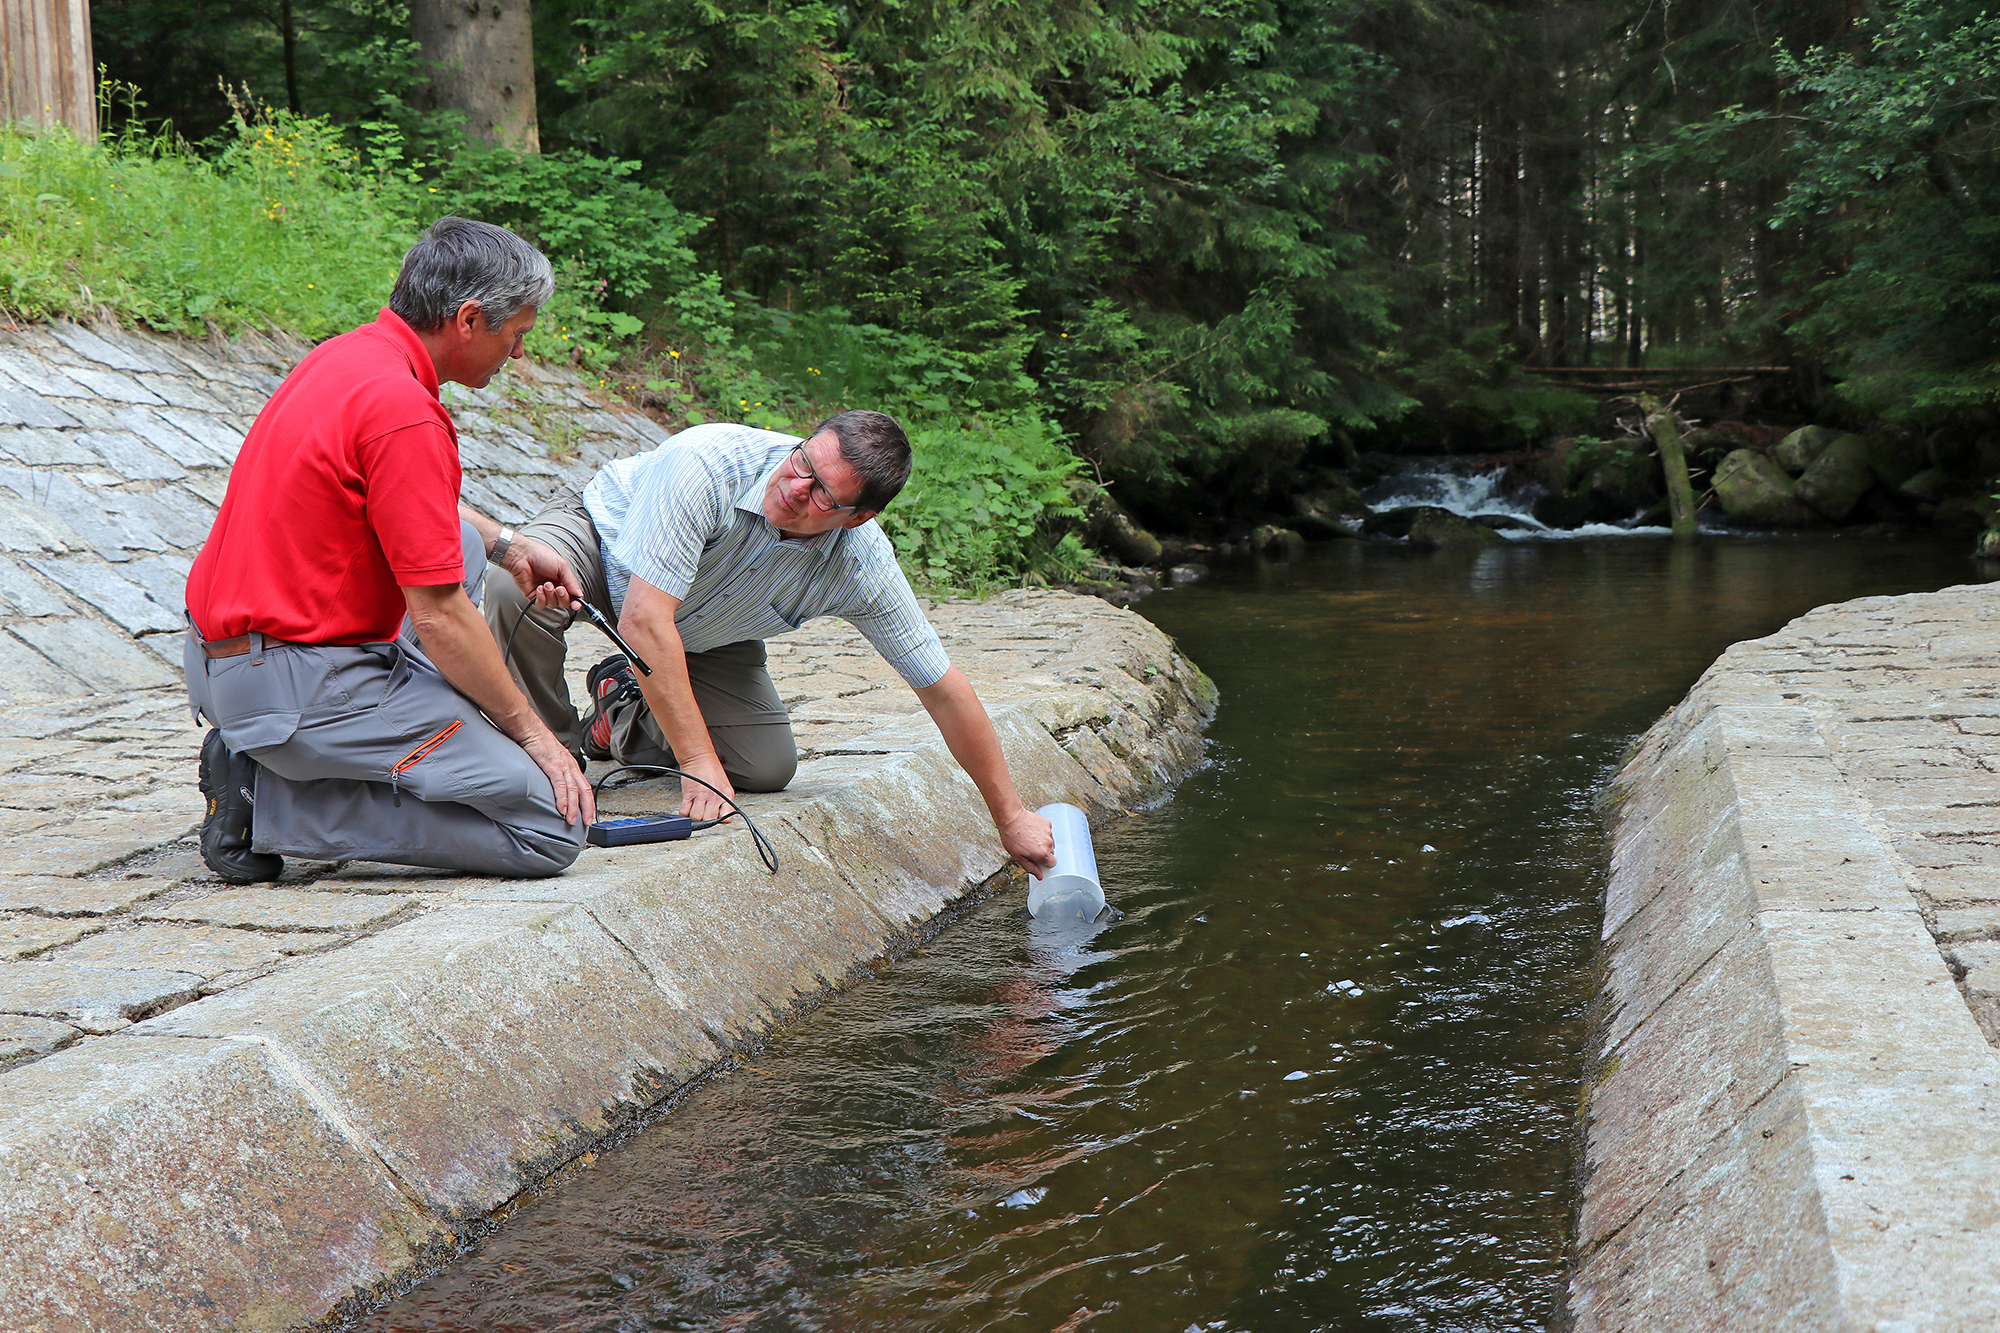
column 688, row 518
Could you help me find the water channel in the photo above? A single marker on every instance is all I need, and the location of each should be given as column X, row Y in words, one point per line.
column 1322, row 1073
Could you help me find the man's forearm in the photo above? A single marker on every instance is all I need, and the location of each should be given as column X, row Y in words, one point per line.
column 961, row 719
column 669, row 693
column 456, row 639
column 488, row 529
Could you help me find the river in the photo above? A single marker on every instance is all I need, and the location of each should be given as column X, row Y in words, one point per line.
column 1322, row 1072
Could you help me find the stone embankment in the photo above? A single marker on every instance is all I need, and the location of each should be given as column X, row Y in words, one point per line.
column 1794, row 1119
column 239, row 1108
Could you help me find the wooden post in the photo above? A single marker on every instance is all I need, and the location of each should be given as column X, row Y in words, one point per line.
column 1673, row 462
column 47, row 75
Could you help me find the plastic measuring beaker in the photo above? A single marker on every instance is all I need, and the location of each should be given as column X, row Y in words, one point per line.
column 1071, row 889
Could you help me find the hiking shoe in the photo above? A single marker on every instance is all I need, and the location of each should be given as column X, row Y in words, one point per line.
column 610, row 683
column 229, row 781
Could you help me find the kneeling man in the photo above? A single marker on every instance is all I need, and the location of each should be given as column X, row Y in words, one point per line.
column 702, row 549
column 339, row 734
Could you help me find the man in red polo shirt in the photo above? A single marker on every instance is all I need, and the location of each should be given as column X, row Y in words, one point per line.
column 340, row 735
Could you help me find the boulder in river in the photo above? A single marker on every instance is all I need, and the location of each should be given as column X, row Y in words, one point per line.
column 1335, row 497
column 1275, row 543
column 1926, row 487
column 1796, row 452
column 1838, row 478
column 1110, row 529
column 1390, row 522
column 1565, row 509
column 1432, row 526
column 1753, row 490
column 1896, row 454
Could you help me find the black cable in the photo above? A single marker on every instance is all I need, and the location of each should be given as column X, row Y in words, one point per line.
column 765, row 851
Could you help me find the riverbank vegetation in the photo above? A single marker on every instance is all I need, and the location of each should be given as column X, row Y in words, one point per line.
column 1214, row 252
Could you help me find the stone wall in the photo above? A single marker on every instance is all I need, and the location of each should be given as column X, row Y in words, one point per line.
column 1793, row 1119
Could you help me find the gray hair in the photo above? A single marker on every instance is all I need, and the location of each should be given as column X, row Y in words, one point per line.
column 876, row 448
column 458, row 260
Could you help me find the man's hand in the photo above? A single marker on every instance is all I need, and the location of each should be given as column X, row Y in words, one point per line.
column 697, row 801
column 573, row 795
column 1031, row 841
column 541, row 574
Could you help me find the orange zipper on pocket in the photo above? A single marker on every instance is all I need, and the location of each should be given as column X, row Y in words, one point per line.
column 396, row 773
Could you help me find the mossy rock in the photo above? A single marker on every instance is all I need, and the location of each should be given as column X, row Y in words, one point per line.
column 1754, row 491
column 1440, row 527
column 1796, row 452
column 1838, row 478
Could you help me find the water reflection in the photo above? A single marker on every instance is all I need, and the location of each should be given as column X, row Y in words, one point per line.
column 1319, row 1076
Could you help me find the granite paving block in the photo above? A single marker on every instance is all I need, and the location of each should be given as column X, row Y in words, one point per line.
column 131, row 457
column 166, row 437
column 525, row 497
column 192, row 515
column 211, row 487
column 475, row 492
column 181, row 391
column 112, row 386
column 99, row 838
column 207, row 429
column 26, row 675
column 22, row 594
column 33, row 375
column 1968, row 923
column 94, row 653
column 22, row 1037
column 93, row 348
column 283, row 909
column 164, row 577
column 124, row 601
column 78, row 509
column 24, row 935
column 39, row 791
column 152, row 522
column 206, row 951
column 44, row 448
column 186, row 1187
column 96, row 999
column 21, row 408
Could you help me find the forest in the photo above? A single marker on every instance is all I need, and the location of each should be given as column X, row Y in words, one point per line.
column 1219, row 249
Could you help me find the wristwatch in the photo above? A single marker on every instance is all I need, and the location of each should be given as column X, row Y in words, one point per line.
column 500, row 546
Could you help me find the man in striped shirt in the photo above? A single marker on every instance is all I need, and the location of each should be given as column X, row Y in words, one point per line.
column 702, row 549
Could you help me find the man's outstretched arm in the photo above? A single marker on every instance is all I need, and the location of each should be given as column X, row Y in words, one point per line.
column 954, row 705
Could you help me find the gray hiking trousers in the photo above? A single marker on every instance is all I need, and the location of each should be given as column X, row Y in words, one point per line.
column 365, row 752
column 747, row 721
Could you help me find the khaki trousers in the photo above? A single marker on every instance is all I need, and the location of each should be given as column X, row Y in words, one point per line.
column 747, row 721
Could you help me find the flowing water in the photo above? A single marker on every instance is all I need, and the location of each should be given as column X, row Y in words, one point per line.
column 1321, row 1075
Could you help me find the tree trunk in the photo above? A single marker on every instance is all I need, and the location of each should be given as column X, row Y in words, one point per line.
column 290, row 31
column 47, row 76
column 481, row 58
column 1673, row 462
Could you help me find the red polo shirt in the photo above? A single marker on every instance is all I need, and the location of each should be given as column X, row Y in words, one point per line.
column 345, row 492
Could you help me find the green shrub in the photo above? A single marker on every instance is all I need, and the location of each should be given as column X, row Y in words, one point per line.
column 979, row 505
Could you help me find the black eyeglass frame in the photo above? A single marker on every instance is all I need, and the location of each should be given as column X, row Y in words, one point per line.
column 819, row 487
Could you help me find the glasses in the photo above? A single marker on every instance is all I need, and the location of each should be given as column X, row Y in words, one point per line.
column 820, row 494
